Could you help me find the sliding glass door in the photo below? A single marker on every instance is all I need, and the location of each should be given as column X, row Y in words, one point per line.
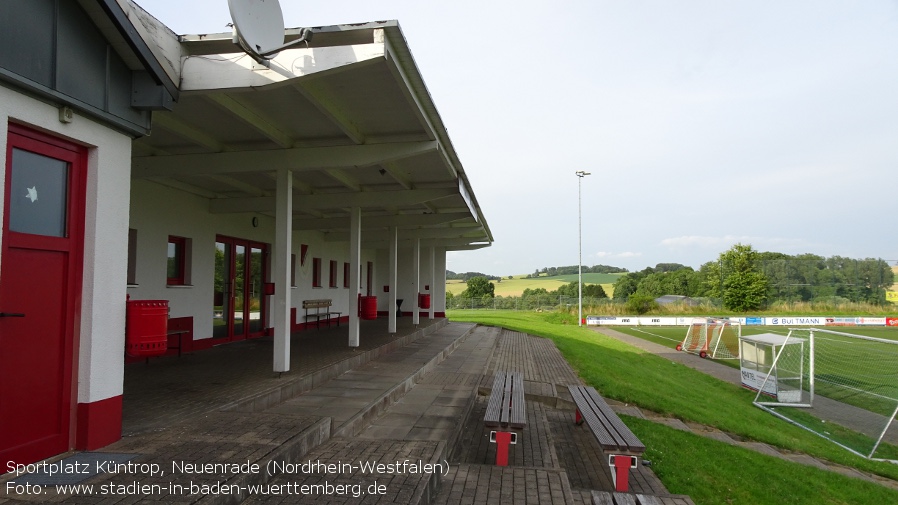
column 239, row 306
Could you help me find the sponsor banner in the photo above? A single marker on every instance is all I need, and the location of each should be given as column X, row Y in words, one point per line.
column 841, row 321
column 871, row 321
column 753, row 321
column 892, row 321
column 611, row 321
column 796, row 321
column 754, row 380
column 657, row 321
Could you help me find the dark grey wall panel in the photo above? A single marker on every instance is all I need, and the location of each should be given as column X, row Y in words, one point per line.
column 27, row 39
column 54, row 49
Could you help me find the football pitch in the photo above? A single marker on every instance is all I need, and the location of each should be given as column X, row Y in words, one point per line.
column 670, row 336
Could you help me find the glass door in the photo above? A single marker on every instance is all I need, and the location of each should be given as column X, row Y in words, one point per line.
column 239, row 306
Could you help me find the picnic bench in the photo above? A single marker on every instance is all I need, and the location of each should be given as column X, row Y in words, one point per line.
column 320, row 310
column 505, row 410
column 616, row 440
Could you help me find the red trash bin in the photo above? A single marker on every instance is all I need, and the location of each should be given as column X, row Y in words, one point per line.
column 146, row 328
column 368, row 308
column 424, row 300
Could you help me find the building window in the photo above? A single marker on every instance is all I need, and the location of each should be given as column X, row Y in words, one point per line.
column 132, row 256
column 177, row 261
column 333, row 274
column 316, row 272
column 345, row 275
column 292, row 270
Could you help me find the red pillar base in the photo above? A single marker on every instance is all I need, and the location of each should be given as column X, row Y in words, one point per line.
column 99, row 423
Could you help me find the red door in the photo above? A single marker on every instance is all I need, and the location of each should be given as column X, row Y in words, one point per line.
column 40, row 284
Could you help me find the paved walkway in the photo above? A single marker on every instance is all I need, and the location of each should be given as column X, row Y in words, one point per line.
column 398, row 422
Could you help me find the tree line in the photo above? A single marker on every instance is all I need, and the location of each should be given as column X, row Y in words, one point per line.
column 569, row 270
column 745, row 279
column 741, row 279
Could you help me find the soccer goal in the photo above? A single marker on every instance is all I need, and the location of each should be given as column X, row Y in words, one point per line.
column 712, row 338
column 840, row 386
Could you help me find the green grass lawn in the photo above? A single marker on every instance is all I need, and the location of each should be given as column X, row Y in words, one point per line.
column 707, row 470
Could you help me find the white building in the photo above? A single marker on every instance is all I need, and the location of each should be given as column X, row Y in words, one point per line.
column 146, row 165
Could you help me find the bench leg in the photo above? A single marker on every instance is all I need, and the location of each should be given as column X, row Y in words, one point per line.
column 502, row 439
column 621, row 471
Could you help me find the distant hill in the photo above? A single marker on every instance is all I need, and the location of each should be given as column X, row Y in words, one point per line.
column 517, row 285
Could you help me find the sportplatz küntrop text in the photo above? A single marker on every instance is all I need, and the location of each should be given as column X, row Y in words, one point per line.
column 155, row 471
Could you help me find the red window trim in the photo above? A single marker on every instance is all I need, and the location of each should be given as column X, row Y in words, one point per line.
column 181, row 258
column 333, row 273
column 316, row 272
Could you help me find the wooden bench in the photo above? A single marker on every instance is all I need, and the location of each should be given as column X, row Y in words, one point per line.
column 320, row 309
column 616, row 440
column 505, row 410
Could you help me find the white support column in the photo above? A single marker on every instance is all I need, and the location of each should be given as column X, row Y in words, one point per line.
column 431, row 284
column 416, row 279
column 281, row 270
column 391, row 302
column 355, row 280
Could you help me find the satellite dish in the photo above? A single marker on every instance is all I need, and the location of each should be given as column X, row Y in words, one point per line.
column 259, row 27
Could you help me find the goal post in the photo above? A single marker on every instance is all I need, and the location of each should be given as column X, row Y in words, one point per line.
column 840, row 386
column 712, row 338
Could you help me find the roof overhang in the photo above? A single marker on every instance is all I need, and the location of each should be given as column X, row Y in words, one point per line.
column 348, row 114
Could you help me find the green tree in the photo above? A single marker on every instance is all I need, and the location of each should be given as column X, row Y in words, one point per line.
column 744, row 286
column 479, row 287
column 641, row 304
column 626, row 285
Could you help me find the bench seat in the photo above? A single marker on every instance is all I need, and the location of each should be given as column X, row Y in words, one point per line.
column 319, row 310
column 621, row 446
column 505, row 411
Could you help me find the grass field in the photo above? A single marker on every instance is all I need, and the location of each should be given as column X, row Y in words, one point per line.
column 710, row 472
column 517, row 285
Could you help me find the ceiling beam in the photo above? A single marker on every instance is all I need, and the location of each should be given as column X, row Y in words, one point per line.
column 296, row 159
column 239, row 185
column 370, row 222
column 328, row 105
column 167, row 120
column 322, row 201
column 381, row 233
column 252, row 117
column 342, row 177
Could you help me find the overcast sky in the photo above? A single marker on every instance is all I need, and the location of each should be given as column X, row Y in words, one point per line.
column 703, row 123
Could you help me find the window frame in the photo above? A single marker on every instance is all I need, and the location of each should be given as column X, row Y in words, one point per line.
column 180, row 258
column 316, row 272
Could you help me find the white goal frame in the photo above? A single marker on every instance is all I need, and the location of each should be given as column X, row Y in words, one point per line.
column 770, row 406
column 709, row 343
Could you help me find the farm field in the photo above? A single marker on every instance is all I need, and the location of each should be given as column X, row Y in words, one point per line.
column 517, row 285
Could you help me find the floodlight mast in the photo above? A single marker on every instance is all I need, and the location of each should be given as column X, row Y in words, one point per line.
column 580, row 175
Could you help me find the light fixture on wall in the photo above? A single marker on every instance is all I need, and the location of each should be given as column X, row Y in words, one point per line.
column 255, row 221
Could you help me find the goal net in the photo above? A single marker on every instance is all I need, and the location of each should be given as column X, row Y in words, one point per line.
column 712, row 338
column 841, row 386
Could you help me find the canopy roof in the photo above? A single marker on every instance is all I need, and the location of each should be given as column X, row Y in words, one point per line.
column 348, row 113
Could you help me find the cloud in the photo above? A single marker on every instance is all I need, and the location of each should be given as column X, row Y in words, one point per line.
column 724, row 242
column 705, row 241
column 628, row 254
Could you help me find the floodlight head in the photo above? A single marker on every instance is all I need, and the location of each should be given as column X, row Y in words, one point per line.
column 581, row 173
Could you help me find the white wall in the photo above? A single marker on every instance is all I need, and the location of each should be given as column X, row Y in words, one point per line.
column 158, row 211
column 102, row 315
